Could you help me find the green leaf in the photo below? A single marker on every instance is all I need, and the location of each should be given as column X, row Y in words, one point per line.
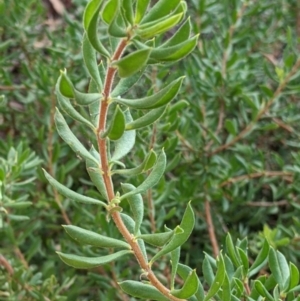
column 294, row 276
column 175, row 256
column 260, row 260
column 132, row 63
column 244, row 258
column 95, row 173
column 226, row 289
column 147, row 164
column 90, row 23
column 67, row 135
column 90, row 60
column 179, row 238
column 146, row 119
column 231, row 126
column 127, row 8
column 156, row 100
column 142, row 290
column 125, row 84
column 110, row 10
column 68, row 108
column 117, row 28
column 87, row 237
column 140, row 10
column 160, row 9
column 189, row 288
column 208, row 272
column 82, row 262
column 181, row 35
column 184, row 271
column 232, row 252
column 66, row 87
column 130, row 225
column 218, row 280
column 116, row 125
column 124, row 145
column 262, row 290
column 174, row 53
column 153, row 178
column 137, row 206
column 70, row 193
column 147, row 30
column 157, row 239
column 279, row 268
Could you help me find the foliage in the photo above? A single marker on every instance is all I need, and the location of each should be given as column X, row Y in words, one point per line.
column 228, row 142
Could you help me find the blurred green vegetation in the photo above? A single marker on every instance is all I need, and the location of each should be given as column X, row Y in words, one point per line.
column 232, row 147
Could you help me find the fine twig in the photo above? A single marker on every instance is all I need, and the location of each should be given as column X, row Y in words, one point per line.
column 211, row 229
column 50, row 159
column 262, row 112
column 285, row 174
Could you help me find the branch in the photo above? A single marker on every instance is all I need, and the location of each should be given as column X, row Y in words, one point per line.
column 106, row 174
column 263, row 111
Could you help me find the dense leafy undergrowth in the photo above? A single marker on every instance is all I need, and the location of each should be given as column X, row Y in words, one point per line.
column 231, row 138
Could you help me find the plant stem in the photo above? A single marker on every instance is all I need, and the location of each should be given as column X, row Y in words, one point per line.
column 106, row 174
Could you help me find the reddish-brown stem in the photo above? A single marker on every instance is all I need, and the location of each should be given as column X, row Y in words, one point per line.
column 106, row 174
column 211, row 229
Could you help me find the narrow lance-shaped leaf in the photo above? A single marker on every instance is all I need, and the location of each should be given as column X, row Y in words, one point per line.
column 110, row 10
column 160, row 9
column 116, row 125
column 90, row 60
column 87, row 237
column 124, row 145
column 184, row 271
column 148, row 31
column 82, row 262
column 157, row 239
column 175, row 53
column 294, row 276
column 232, row 252
column 68, row 108
column 65, row 85
column 70, row 193
column 147, row 164
column 90, row 23
column 219, row 278
column 146, row 119
column 130, row 225
column 95, row 173
column 117, row 28
column 140, row 10
column 132, row 63
column 175, row 256
column 142, row 290
column 181, row 35
column 127, row 8
column 260, row 260
column 262, row 290
column 189, row 288
column 125, row 84
column 226, row 289
column 66, row 88
column 152, row 179
column 187, row 225
column 279, row 268
column 67, row 135
column 137, row 206
column 156, row 100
